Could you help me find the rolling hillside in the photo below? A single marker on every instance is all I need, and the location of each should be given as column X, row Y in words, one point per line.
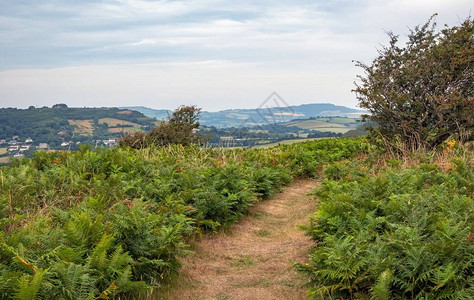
column 260, row 116
column 56, row 125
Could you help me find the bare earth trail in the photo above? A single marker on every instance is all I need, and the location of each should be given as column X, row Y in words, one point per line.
column 253, row 260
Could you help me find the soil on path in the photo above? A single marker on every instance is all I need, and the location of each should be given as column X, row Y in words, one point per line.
column 253, row 260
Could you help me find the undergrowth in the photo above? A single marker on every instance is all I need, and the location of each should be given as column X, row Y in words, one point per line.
column 395, row 228
column 112, row 223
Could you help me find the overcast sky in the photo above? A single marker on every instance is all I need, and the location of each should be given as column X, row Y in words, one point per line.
column 215, row 54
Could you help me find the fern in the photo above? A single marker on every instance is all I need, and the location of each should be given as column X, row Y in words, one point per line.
column 28, row 286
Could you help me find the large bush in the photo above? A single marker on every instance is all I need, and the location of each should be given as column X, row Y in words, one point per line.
column 422, row 93
column 180, row 129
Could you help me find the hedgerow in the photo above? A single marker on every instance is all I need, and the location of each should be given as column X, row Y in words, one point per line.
column 112, row 223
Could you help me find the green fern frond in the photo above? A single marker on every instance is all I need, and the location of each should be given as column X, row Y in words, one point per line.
column 28, row 286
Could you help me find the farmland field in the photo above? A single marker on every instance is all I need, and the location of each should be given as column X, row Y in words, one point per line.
column 328, row 124
column 124, row 130
column 112, row 122
column 287, row 142
column 83, row 127
column 3, row 151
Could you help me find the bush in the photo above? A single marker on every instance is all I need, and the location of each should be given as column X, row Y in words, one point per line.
column 421, row 94
column 178, row 130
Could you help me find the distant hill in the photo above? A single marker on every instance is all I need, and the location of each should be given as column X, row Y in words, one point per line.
column 260, row 116
column 159, row 114
column 61, row 124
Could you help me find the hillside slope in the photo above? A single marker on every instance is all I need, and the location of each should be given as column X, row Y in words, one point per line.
column 56, row 125
column 259, row 116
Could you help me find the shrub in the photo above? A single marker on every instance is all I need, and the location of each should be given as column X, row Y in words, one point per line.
column 421, row 94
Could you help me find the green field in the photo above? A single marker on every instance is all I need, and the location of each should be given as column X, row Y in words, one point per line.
column 287, row 142
column 328, row 124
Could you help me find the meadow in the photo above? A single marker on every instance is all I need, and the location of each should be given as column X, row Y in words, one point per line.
column 113, row 222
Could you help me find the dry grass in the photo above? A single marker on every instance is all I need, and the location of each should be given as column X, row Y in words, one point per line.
column 112, row 122
column 82, row 127
column 3, row 151
column 4, row 160
column 253, row 260
column 125, row 130
column 124, row 112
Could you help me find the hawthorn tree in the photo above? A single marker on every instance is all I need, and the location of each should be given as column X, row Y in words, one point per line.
column 421, row 94
column 180, row 129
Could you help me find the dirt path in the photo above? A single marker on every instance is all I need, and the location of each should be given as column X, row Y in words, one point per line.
column 253, row 260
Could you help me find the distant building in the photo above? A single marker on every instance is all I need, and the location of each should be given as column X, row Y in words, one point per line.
column 14, row 148
column 15, row 137
column 3, row 141
column 43, row 146
column 110, row 142
column 18, row 155
column 24, row 147
column 64, row 144
column 62, row 132
column 12, row 142
column 29, row 140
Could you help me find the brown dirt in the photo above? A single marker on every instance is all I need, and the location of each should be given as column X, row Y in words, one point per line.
column 253, row 260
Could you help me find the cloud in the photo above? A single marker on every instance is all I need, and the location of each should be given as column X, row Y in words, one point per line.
column 303, row 47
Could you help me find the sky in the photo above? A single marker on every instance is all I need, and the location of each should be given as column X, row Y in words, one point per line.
column 211, row 53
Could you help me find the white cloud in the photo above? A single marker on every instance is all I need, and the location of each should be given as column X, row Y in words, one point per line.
column 217, row 53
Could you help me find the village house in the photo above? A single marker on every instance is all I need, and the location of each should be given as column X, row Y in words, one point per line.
column 13, row 148
column 110, row 142
column 43, row 146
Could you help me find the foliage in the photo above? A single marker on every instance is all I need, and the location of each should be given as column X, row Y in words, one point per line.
column 423, row 93
column 178, row 130
column 113, row 222
column 396, row 233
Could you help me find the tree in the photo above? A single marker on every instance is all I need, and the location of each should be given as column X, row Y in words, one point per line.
column 180, row 129
column 60, row 105
column 421, row 94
